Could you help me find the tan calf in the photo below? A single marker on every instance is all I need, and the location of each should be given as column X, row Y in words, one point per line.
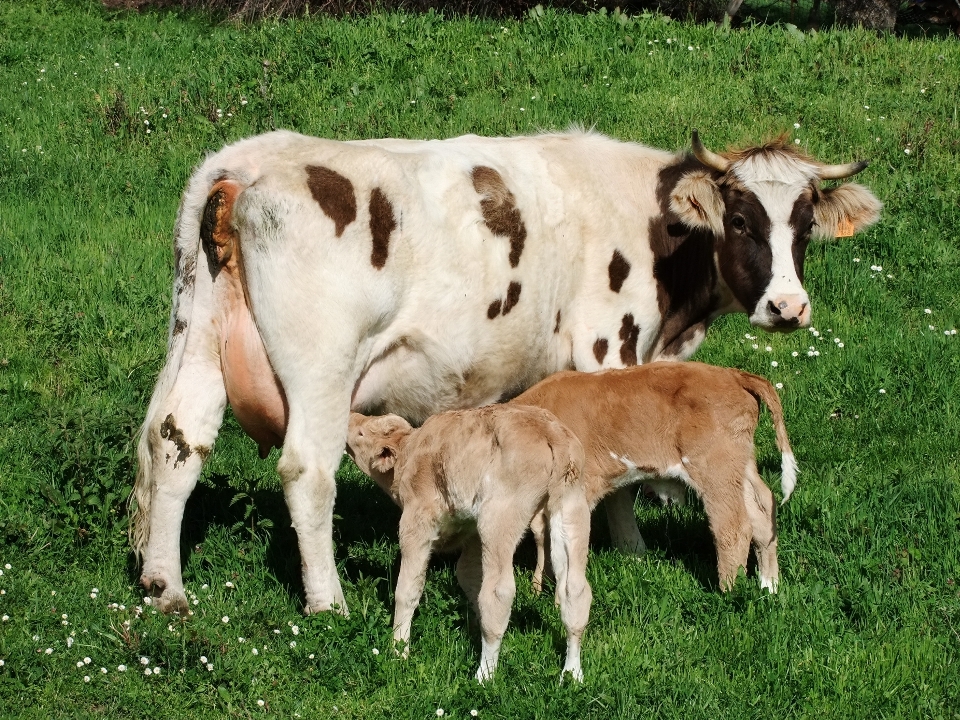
column 474, row 479
column 678, row 424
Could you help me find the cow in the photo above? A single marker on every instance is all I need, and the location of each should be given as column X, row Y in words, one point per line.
column 473, row 480
column 672, row 426
column 314, row 277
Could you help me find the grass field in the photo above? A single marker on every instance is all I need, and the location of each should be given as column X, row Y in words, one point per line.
column 103, row 116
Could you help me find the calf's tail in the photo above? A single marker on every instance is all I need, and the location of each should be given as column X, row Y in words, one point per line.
column 764, row 392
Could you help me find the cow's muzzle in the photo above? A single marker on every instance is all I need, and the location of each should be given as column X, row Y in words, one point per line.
column 789, row 312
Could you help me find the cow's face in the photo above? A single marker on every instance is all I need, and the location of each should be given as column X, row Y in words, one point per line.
column 764, row 205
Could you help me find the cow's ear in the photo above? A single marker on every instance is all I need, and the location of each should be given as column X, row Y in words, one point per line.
column 696, row 199
column 844, row 210
column 385, row 459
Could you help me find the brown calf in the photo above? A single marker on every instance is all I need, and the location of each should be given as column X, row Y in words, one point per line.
column 681, row 424
column 474, row 479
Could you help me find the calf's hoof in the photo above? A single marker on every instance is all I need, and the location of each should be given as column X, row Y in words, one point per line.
column 166, row 599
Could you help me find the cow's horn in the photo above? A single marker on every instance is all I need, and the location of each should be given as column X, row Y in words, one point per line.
column 837, row 172
column 708, row 158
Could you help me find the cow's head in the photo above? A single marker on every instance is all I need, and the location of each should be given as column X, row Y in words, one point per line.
column 375, row 443
column 764, row 204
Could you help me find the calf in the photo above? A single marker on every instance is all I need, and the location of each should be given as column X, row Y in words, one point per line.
column 474, row 479
column 676, row 425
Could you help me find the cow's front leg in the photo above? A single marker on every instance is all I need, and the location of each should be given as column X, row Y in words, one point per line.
column 177, row 436
column 624, row 533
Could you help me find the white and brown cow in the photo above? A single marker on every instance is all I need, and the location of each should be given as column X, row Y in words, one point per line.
column 398, row 276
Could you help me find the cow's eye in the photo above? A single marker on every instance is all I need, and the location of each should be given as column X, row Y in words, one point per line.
column 738, row 222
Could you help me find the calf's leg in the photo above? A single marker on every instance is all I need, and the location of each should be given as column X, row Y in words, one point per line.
column 762, row 513
column 470, row 570
column 416, row 541
column 570, row 535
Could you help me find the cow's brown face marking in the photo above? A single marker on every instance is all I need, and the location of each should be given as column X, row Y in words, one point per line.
column 334, row 194
column 499, row 209
column 170, row 431
column 382, row 223
column 556, row 328
column 600, row 349
column 744, row 253
column 629, row 334
column 683, row 263
column 513, row 297
column 618, row 270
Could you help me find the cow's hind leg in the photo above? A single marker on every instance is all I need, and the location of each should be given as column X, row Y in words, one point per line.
column 177, row 436
column 624, row 533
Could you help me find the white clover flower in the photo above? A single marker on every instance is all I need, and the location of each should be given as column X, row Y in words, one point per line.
column 87, row 661
column 144, row 661
column 255, row 651
column 796, row 141
column 203, row 659
column 906, row 151
column 225, row 619
column 295, row 630
column 836, row 339
column 440, row 710
column 5, row 618
column 156, row 671
column 928, row 311
column 261, row 703
column 816, row 333
column 8, row 567
column 228, row 584
column 473, row 713
column 64, row 616
column 689, row 47
column 774, row 363
column 148, row 671
column 240, row 639
column 858, row 259
column 809, row 353
column 69, row 642
column 293, row 643
column 121, row 668
column 779, row 386
column 86, row 678
column 882, row 391
column 79, row 663
column 116, row 64
column 103, row 671
column 209, row 667
column 276, row 631
column 376, row 652
column 796, row 126
column 36, row 638
column 768, row 348
column 93, row 595
column 756, row 347
column 310, row 656
column 839, row 345
column 48, row 651
column 204, row 586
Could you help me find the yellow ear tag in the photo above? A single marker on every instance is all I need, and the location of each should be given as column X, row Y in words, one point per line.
column 844, row 228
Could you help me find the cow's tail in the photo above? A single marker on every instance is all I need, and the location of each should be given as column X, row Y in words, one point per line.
column 186, row 244
column 761, row 389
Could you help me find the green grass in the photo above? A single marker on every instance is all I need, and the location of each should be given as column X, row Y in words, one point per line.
column 868, row 620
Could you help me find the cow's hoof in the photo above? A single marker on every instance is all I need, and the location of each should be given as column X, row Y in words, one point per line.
column 314, row 608
column 165, row 598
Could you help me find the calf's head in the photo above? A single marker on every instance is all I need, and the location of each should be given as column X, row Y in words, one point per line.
column 374, row 443
column 763, row 205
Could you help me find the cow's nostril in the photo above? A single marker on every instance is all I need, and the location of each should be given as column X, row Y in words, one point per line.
column 773, row 308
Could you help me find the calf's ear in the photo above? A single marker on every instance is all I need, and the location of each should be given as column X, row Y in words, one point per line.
column 845, row 210
column 385, row 459
column 696, row 199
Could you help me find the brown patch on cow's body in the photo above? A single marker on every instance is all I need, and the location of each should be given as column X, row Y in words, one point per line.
column 334, row 194
column 499, row 209
column 629, row 334
column 513, row 297
column 556, row 327
column 600, row 349
column 178, row 327
column 683, row 263
column 494, row 309
column 382, row 223
column 618, row 270
column 170, row 431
